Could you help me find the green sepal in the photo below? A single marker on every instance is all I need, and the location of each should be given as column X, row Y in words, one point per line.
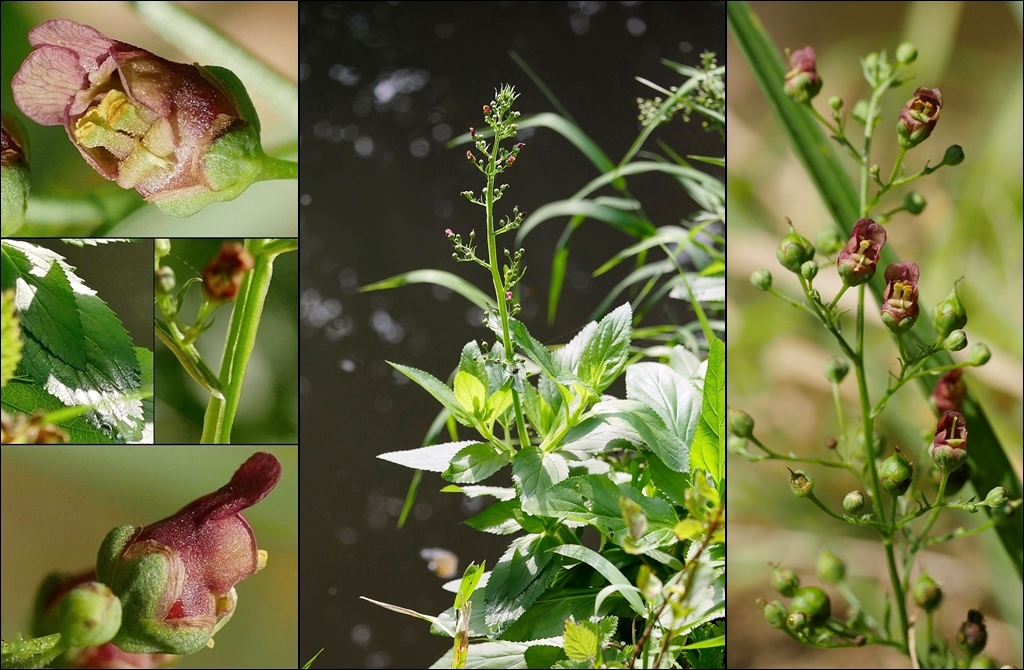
column 15, row 184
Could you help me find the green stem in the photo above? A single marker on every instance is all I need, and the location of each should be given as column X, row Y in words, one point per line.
column 936, row 508
column 278, row 168
column 896, row 167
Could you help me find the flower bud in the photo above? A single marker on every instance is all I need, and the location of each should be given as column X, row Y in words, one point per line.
column 972, row 635
column 183, row 136
column 949, row 315
column 979, row 355
column 896, row 474
column 983, row 662
column 836, row 369
column 914, row 202
column 774, row 613
column 829, row 241
column 956, row 341
column 950, row 391
column 761, row 279
column 954, row 155
column 830, row 567
column 899, row 304
column 794, row 250
column 835, row 102
column 802, row 80
column 800, row 483
column 14, row 174
column 853, row 502
column 813, row 602
column 997, row 497
column 740, row 423
column 90, row 615
column 860, row 111
column 797, row 621
column 809, row 270
column 906, row 53
column 223, row 274
column 927, row 593
column 856, row 262
column 785, row 581
column 918, row 117
column 949, row 448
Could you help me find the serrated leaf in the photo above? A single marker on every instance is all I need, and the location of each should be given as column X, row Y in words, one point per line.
column 705, row 289
column 471, row 393
column 605, row 354
column 10, row 337
column 25, row 398
column 670, row 395
column 708, row 451
column 522, row 574
column 581, row 641
column 607, row 570
column 533, row 349
column 93, row 241
column 651, row 428
column 596, row 434
column 498, row 519
column 470, row 579
column 475, row 463
column 535, row 471
column 438, row 389
column 435, row 458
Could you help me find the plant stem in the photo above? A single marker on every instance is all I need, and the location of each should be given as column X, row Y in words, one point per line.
column 278, row 168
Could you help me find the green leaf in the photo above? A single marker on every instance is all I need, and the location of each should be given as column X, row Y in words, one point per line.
column 708, row 452
column 470, row 578
column 581, row 641
column 494, row 655
column 498, row 519
column 596, row 434
column 669, row 483
column 435, row 458
column 545, row 618
column 475, row 463
column 607, row 570
column 439, row 278
column 651, row 428
column 670, row 395
column 413, row 613
column 534, row 472
column 605, row 354
column 438, row 389
column 27, row 398
column 522, row 574
column 10, row 337
column 533, row 349
column 471, row 393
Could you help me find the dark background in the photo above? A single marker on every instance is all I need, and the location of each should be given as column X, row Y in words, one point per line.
column 383, row 86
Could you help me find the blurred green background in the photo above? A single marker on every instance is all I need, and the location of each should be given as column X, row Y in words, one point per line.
column 266, row 29
column 268, row 412
column 59, row 502
column 971, row 228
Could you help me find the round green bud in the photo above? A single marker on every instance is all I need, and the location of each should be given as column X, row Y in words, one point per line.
column 949, row 315
column 926, row 592
column 985, row 662
column 813, row 602
column 761, row 279
column 90, row 615
column 161, row 247
column 830, row 567
column 835, row 102
column 809, row 270
column 906, row 53
column 956, row 341
column 914, row 202
column 774, row 613
column 740, row 423
column 853, row 502
column 896, row 474
column 980, row 354
column 800, row 483
column 796, row 621
column 997, row 497
column 785, row 581
column 875, row 170
column 836, row 369
column 794, row 250
column 954, row 155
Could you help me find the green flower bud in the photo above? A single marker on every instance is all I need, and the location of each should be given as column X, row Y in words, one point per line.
column 836, row 369
column 813, row 602
column 927, row 593
column 956, row 341
column 90, row 615
column 794, row 250
column 736, row 443
column 853, row 502
column 830, row 567
column 896, row 474
column 829, row 241
column 785, row 581
column 954, row 155
column 997, row 497
column 972, row 635
column 985, row 662
column 914, row 202
column 906, row 53
column 774, row 613
column 796, row 621
column 835, row 102
column 740, row 423
column 800, row 483
column 980, row 354
column 14, row 174
column 161, row 247
column 809, row 270
column 949, row 315
column 761, row 279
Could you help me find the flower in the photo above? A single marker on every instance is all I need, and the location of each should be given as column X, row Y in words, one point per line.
column 949, row 448
column 856, row 262
column 918, row 117
column 176, row 577
column 802, row 80
column 223, row 275
column 899, row 304
column 183, row 136
column 950, row 391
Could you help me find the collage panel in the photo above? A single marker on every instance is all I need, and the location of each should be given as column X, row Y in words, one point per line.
column 472, row 433
column 139, row 520
column 853, row 267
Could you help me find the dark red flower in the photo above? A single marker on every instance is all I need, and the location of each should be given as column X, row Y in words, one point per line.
column 802, row 80
column 176, row 577
column 950, row 391
column 949, row 448
column 918, row 117
column 223, row 275
column 899, row 303
column 856, row 262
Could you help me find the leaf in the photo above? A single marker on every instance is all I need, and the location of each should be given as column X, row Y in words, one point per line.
column 651, row 428
column 498, row 519
column 581, row 641
column 495, row 655
column 10, row 337
column 435, row 458
column 705, row 289
column 27, row 398
column 439, row 278
column 670, row 395
column 596, row 434
column 499, row 492
column 548, row 613
column 470, row 578
column 605, row 354
column 535, row 471
column 522, row 574
column 413, row 613
column 438, row 389
column 470, row 393
column 93, row 241
column 533, row 349
column 607, row 570
column 708, row 451
column 475, row 463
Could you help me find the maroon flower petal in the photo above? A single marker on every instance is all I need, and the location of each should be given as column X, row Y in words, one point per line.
column 46, row 83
